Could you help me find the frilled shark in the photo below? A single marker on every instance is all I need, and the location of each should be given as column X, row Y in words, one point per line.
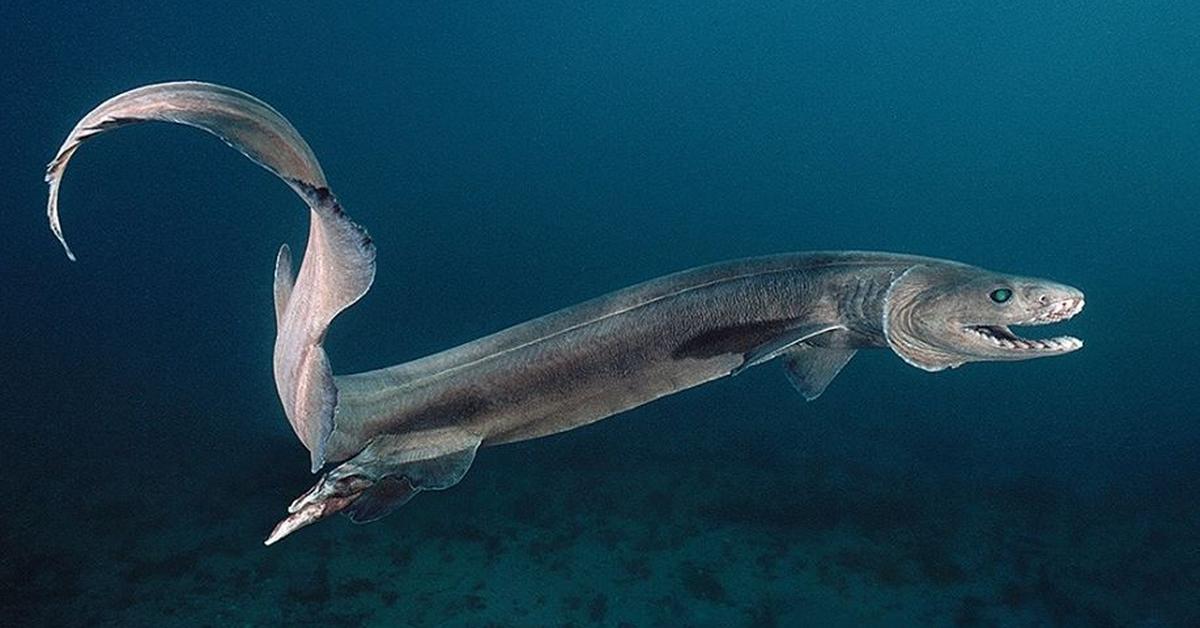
column 391, row 433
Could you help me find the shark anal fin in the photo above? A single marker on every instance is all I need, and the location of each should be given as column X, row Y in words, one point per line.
column 772, row 349
column 381, row 500
column 810, row 369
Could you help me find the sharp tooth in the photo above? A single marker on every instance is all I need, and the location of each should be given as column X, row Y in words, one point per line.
column 1066, row 343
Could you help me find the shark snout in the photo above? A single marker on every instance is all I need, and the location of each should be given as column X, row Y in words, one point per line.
column 1051, row 303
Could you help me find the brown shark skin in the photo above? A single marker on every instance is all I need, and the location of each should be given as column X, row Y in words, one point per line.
column 599, row 358
column 416, row 426
column 602, row 357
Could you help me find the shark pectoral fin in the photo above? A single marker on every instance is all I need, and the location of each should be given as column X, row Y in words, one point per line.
column 772, row 349
column 810, row 369
column 385, row 475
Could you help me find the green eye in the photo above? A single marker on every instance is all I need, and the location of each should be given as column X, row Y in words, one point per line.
column 1001, row 295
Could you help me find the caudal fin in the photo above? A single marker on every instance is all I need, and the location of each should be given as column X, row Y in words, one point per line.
column 339, row 263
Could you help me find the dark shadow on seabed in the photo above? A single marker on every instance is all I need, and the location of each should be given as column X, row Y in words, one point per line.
column 554, row 532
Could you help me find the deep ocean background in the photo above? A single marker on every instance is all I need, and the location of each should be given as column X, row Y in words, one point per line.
column 513, row 158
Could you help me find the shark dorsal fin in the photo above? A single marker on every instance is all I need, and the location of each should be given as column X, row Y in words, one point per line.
column 284, row 280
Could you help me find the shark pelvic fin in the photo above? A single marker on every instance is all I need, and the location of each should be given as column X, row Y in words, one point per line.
column 385, row 475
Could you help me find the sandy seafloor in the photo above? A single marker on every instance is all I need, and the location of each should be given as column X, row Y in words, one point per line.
column 576, row 532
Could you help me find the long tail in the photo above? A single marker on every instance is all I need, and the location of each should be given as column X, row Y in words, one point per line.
column 339, row 263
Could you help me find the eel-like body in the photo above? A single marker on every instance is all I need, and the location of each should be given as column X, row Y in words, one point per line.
column 416, row 426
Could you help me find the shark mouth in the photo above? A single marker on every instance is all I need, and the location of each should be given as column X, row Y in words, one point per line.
column 1003, row 337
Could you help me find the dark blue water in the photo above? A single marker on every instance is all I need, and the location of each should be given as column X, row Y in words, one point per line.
column 513, row 158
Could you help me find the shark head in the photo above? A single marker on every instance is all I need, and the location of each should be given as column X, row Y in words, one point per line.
column 939, row 316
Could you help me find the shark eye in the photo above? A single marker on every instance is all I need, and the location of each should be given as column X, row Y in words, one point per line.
column 1001, row 295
